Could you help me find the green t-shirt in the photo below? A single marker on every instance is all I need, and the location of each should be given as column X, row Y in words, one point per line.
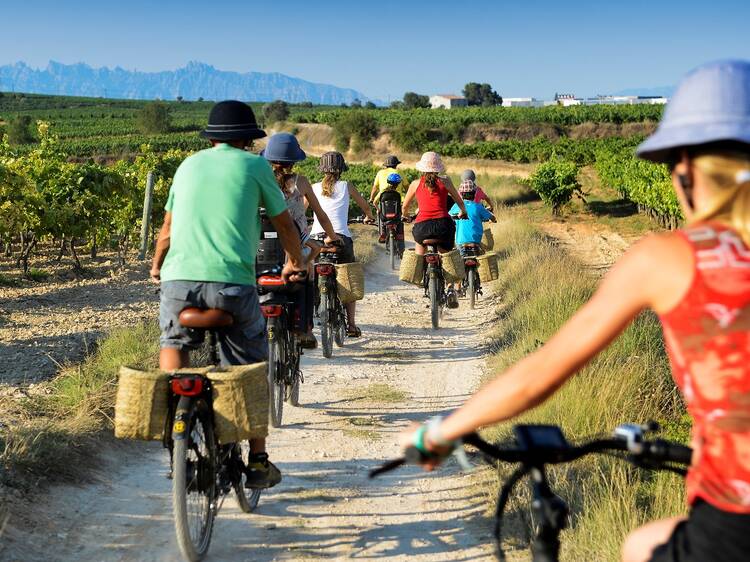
column 214, row 201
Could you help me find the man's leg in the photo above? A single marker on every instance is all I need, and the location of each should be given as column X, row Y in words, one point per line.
column 171, row 359
column 175, row 340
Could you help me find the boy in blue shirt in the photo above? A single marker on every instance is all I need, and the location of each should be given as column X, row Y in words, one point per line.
column 470, row 231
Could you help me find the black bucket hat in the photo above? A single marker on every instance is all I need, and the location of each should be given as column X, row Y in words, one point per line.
column 232, row 120
column 391, row 161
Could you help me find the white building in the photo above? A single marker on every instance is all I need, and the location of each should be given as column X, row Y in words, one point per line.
column 448, row 101
column 522, row 102
column 626, row 100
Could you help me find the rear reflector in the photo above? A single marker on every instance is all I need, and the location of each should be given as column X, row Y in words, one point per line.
column 187, row 386
column 271, row 310
column 271, row 281
column 324, row 269
column 470, row 262
column 390, row 215
column 432, row 258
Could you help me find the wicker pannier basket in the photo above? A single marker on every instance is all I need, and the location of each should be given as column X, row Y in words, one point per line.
column 488, row 267
column 488, row 240
column 141, row 404
column 453, row 266
column 412, row 268
column 240, row 396
column 350, row 278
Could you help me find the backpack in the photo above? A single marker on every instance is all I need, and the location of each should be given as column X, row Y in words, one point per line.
column 390, row 205
column 270, row 251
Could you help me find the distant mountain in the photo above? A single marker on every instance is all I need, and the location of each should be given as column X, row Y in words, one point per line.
column 194, row 81
column 665, row 91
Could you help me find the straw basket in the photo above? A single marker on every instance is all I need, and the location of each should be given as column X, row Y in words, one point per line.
column 453, row 266
column 351, row 282
column 240, row 397
column 488, row 240
column 488, row 267
column 412, row 268
column 141, row 404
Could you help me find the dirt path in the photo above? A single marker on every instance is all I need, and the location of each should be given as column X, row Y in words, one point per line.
column 325, row 508
column 597, row 248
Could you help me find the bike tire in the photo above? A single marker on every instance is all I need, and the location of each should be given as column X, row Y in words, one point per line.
column 247, row 498
column 194, row 466
column 393, row 251
column 326, row 328
column 292, row 390
column 432, row 289
column 275, row 376
column 339, row 333
column 472, row 289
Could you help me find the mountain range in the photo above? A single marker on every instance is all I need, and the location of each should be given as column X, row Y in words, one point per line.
column 195, row 80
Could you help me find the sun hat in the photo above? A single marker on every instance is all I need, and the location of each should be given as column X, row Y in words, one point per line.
column 430, row 163
column 711, row 104
column 283, row 147
column 467, row 186
column 332, row 163
column 391, row 161
column 232, row 120
column 468, row 175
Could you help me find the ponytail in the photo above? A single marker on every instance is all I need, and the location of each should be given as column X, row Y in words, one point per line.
column 431, row 181
column 329, row 183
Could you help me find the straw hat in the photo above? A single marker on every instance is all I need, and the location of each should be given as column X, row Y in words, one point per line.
column 430, row 162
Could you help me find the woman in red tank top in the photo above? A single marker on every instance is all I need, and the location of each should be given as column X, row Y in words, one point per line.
column 698, row 281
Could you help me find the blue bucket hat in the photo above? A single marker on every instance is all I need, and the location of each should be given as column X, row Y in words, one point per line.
column 711, row 104
column 283, row 147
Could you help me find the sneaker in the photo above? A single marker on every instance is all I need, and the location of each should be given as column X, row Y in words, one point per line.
column 308, row 341
column 451, row 299
column 260, row 472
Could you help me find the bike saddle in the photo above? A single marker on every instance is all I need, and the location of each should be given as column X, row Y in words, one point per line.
column 471, row 246
column 431, row 242
column 205, row 318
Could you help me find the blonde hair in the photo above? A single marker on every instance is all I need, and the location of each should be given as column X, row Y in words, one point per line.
column 329, row 182
column 728, row 176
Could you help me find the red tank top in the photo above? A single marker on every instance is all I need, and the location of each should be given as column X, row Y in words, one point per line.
column 707, row 336
column 431, row 205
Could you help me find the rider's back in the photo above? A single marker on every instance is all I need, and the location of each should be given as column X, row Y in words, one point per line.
column 432, row 203
column 707, row 335
column 214, row 200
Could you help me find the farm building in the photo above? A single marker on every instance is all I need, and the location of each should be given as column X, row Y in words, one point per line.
column 522, row 102
column 448, row 101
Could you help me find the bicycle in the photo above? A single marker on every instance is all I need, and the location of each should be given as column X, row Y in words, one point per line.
column 434, row 280
column 537, row 446
column 203, row 472
column 279, row 307
column 331, row 311
column 389, row 214
column 471, row 286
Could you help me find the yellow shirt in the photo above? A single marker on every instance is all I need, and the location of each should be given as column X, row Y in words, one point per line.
column 381, row 180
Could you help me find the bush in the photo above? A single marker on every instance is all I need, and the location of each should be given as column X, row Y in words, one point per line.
column 19, row 130
column 356, row 130
column 411, row 136
column 556, row 181
column 276, row 111
column 414, row 101
column 154, row 118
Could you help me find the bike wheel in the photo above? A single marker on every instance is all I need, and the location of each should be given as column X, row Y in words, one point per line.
column 393, row 250
column 472, row 289
column 292, row 390
column 326, row 327
column 194, row 478
column 339, row 333
column 433, row 290
column 247, row 498
column 276, row 361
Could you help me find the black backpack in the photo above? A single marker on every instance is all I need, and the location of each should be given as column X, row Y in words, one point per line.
column 270, row 251
column 390, row 205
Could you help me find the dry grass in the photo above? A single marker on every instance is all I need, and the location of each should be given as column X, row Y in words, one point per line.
column 630, row 381
column 379, row 392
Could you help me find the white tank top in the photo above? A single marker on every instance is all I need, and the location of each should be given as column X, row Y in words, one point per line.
column 336, row 207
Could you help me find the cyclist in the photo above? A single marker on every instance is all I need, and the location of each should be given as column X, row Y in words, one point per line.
column 470, row 231
column 334, row 195
column 698, row 281
column 387, row 202
column 283, row 151
column 205, row 253
column 481, row 196
column 380, row 183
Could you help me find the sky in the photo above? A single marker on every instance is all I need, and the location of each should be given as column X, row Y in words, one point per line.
column 384, row 48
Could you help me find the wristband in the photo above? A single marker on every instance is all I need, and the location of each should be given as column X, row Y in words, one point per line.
column 435, row 433
column 419, row 440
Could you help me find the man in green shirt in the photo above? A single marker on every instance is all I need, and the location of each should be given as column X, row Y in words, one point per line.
column 205, row 254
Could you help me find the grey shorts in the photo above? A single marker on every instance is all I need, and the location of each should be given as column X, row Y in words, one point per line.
column 242, row 343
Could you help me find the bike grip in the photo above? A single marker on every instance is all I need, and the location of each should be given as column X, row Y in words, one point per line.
column 387, row 467
column 674, row 452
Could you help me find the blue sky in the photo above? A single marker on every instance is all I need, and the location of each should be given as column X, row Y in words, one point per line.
column 524, row 47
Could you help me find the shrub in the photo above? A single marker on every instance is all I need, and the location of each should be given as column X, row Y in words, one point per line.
column 19, row 130
column 556, row 181
column 154, row 118
column 276, row 111
column 356, row 130
column 411, row 135
column 413, row 101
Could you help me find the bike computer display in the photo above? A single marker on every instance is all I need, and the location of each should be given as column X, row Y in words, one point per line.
column 536, row 437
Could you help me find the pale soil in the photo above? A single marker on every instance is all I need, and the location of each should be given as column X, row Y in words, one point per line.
column 325, row 508
column 596, row 247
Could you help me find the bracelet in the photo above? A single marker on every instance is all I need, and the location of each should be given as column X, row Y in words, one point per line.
column 419, row 440
column 435, row 433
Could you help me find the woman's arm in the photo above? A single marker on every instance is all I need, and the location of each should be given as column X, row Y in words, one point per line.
column 360, row 201
column 656, row 273
column 312, row 201
column 410, row 193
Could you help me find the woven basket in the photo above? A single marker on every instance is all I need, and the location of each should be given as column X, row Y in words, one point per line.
column 453, row 266
column 351, row 282
column 488, row 240
column 412, row 268
column 488, row 267
column 240, row 396
column 141, row 404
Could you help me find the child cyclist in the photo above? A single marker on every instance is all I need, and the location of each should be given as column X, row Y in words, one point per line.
column 470, row 230
column 388, row 204
column 697, row 280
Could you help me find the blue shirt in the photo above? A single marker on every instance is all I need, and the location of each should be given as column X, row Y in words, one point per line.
column 469, row 231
